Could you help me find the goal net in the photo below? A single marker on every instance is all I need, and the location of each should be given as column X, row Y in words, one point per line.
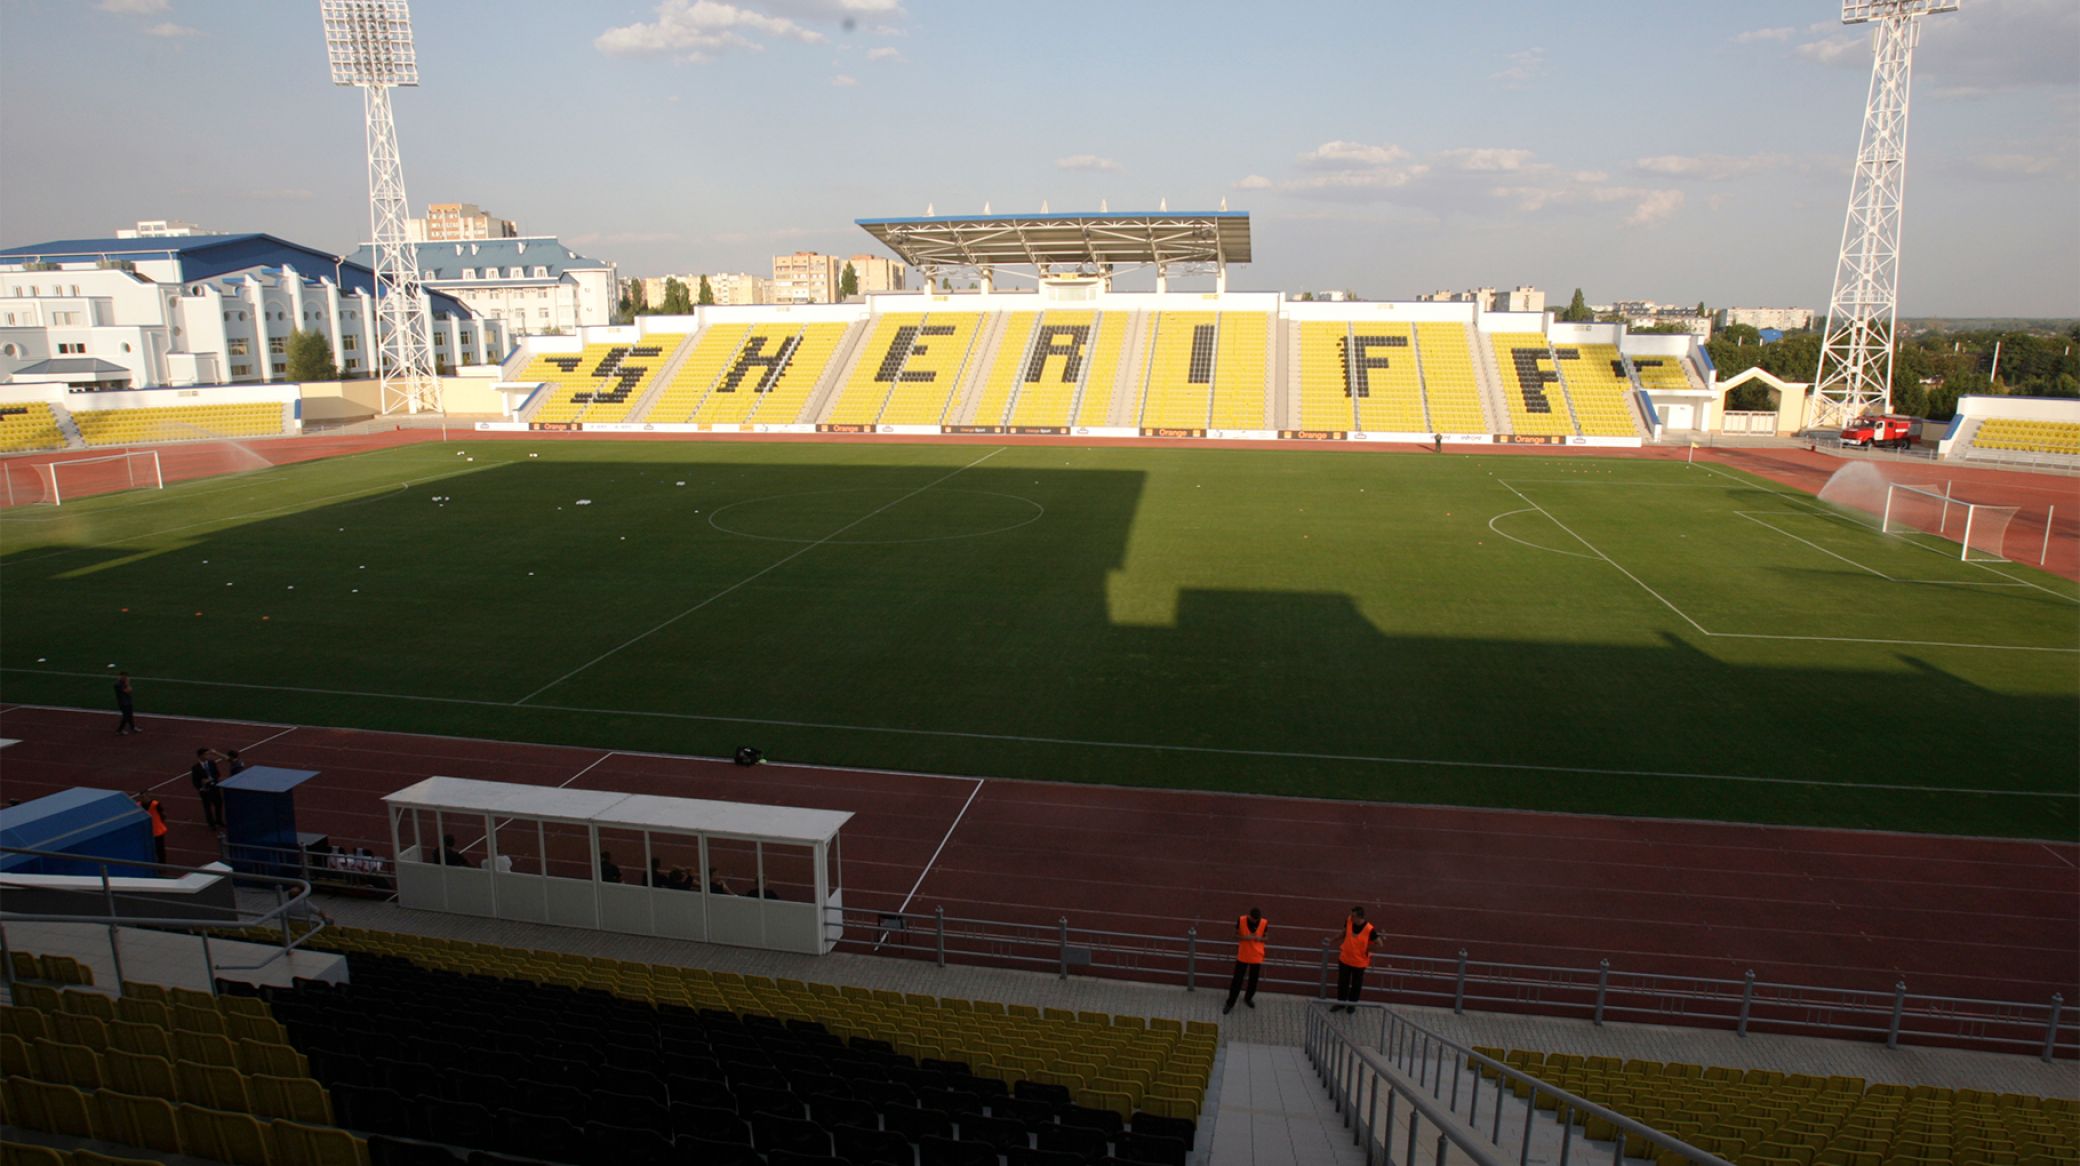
column 52, row 483
column 1980, row 529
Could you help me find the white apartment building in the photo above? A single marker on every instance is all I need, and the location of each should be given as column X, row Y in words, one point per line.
column 197, row 310
column 445, row 222
column 532, row 284
column 730, row 288
column 162, row 229
column 1518, row 299
column 806, row 277
column 1782, row 319
column 877, row 274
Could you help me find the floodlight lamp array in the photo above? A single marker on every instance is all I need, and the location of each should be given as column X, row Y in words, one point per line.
column 369, row 42
column 1864, row 11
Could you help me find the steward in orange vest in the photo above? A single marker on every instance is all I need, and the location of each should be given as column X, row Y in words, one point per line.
column 1352, row 958
column 1249, row 958
column 150, row 805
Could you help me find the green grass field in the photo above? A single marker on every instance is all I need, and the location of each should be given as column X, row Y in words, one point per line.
column 1601, row 635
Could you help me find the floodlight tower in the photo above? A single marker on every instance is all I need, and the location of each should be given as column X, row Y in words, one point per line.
column 369, row 44
column 1855, row 375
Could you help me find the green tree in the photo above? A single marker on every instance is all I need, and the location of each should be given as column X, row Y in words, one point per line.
column 1740, row 335
column 310, row 357
column 848, row 282
column 677, row 300
column 1577, row 310
column 707, row 294
column 631, row 304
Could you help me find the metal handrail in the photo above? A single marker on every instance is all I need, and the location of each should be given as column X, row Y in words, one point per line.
column 1460, row 982
column 1355, row 1078
column 1422, row 1054
column 291, row 896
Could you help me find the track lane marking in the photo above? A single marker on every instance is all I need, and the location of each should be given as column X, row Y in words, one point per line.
column 1139, row 746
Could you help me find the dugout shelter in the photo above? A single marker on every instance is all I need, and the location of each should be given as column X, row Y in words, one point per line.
column 762, row 876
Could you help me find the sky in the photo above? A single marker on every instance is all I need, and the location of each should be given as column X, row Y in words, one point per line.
column 1638, row 149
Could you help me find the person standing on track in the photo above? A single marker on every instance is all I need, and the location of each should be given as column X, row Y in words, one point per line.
column 150, row 805
column 1249, row 958
column 203, row 776
column 126, row 705
column 1353, row 958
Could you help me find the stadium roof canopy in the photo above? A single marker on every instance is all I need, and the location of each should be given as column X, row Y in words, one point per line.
column 1105, row 239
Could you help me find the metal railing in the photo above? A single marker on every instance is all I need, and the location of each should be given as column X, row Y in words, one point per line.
column 1598, row 994
column 1455, row 1078
column 291, row 900
column 1372, row 1098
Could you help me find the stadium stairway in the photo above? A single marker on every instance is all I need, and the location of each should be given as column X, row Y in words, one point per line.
column 1490, row 376
column 826, row 391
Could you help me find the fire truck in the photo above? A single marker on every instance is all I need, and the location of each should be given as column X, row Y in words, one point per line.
column 1884, row 432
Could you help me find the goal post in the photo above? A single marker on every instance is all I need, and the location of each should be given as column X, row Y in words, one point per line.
column 1979, row 528
column 50, row 483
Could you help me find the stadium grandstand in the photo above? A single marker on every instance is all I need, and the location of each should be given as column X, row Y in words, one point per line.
column 1070, row 355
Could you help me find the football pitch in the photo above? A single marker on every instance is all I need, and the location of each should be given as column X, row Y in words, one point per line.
column 1582, row 634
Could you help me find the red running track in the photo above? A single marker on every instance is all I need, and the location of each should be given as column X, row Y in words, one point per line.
column 1954, row 916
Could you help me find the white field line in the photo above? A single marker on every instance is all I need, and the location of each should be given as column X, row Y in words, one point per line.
column 255, row 745
column 1812, row 505
column 933, row 860
column 758, row 574
column 1523, row 542
column 1704, row 631
column 1137, row 746
column 1759, row 517
column 1606, row 558
column 371, row 493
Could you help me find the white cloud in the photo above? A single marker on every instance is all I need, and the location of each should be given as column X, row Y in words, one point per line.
column 1591, row 176
column 135, row 7
column 1652, row 206
column 1710, row 167
column 844, row 81
column 1356, row 185
column 171, row 31
column 2017, row 165
column 1086, row 162
column 1253, row 182
column 1483, row 159
column 1762, row 34
column 836, row 9
column 1849, row 49
column 1649, row 206
column 1347, row 154
column 696, row 30
column 885, row 53
column 1524, row 67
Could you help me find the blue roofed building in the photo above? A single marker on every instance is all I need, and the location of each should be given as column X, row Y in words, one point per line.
column 532, row 284
column 121, row 313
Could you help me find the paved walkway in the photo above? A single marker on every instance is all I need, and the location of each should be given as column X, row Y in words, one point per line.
column 1271, row 1110
column 1277, row 1019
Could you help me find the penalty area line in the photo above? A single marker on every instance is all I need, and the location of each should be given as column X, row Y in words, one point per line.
column 1075, row 742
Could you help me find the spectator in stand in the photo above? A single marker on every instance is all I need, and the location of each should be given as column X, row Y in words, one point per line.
column 1249, row 959
column 1353, row 958
column 608, row 872
column 150, row 805
column 203, row 776
column 126, row 706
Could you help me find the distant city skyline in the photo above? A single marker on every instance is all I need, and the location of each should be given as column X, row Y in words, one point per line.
column 1636, row 150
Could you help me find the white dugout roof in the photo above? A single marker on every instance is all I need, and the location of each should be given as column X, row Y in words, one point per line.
column 609, row 810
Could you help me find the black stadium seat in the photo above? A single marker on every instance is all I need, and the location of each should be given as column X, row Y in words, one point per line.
column 947, row 1152
column 707, row 1153
column 864, row 1146
column 1084, row 1142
